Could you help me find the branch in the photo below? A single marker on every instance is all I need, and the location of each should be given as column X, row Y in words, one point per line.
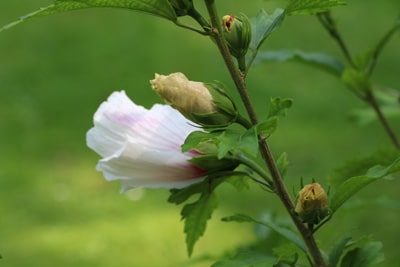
column 279, row 186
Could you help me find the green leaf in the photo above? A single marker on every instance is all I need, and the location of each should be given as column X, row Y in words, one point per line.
column 320, row 61
column 358, row 167
column 311, row 7
column 363, row 60
column 279, row 106
column 249, row 142
column 366, row 115
column 356, row 80
column 268, row 126
column 263, row 25
column 161, row 8
column 367, row 256
column 234, row 141
column 285, row 232
column 337, row 251
column 352, row 185
column 195, row 138
column 282, row 164
column 287, row 253
column 178, row 196
column 247, row 258
column 196, row 216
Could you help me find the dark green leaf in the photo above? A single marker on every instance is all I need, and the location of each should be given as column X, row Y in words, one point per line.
column 311, row 7
column 279, row 106
column 196, row 216
column 161, row 8
column 179, row 196
column 367, row 256
column 263, row 25
column 351, row 186
column 214, row 165
column 321, row 61
column 247, row 258
column 337, row 251
column 285, row 232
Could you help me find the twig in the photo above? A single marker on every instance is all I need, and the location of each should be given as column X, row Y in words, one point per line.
column 279, row 186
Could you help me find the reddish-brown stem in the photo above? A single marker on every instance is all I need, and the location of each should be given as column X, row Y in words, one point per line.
column 279, row 186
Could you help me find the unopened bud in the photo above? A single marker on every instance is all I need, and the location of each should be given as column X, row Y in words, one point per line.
column 205, row 104
column 312, row 203
column 182, row 7
column 237, row 32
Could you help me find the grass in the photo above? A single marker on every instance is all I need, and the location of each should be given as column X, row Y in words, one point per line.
column 55, row 71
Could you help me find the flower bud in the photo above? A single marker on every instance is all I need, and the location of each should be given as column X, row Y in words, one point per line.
column 205, row 104
column 312, row 203
column 182, row 7
column 237, row 32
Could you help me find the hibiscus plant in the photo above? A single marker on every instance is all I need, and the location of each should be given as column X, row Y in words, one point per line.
column 200, row 139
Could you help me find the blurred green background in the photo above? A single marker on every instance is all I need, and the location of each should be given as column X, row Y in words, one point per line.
column 56, row 210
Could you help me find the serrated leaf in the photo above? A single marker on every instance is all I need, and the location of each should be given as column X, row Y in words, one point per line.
column 247, row 258
column 337, row 251
column 161, row 8
column 178, row 196
column 279, row 106
column 318, row 60
column 288, row 234
column 351, row 186
column 367, row 256
column 311, row 7
column 263, row 25
column 196, row 216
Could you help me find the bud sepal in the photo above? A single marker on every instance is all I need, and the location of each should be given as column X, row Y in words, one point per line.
column 237, row 33
column 207, row 104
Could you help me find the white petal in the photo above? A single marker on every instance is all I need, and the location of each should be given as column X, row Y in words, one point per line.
column 142, row 147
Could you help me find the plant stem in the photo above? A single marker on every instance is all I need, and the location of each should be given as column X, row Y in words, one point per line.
column 255, row 167
column 370, row 98
column 329, row 24
column 279, row 186
column 380, row 47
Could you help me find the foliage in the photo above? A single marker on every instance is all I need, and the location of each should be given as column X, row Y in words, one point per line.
column 240, row 151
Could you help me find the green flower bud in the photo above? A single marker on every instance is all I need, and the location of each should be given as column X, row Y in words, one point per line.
column 312, row 203
column 204, row 104
column 182, row 7
column 237, row 32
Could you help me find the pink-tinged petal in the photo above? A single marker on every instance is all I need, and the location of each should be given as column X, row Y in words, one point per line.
column 141, row 147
